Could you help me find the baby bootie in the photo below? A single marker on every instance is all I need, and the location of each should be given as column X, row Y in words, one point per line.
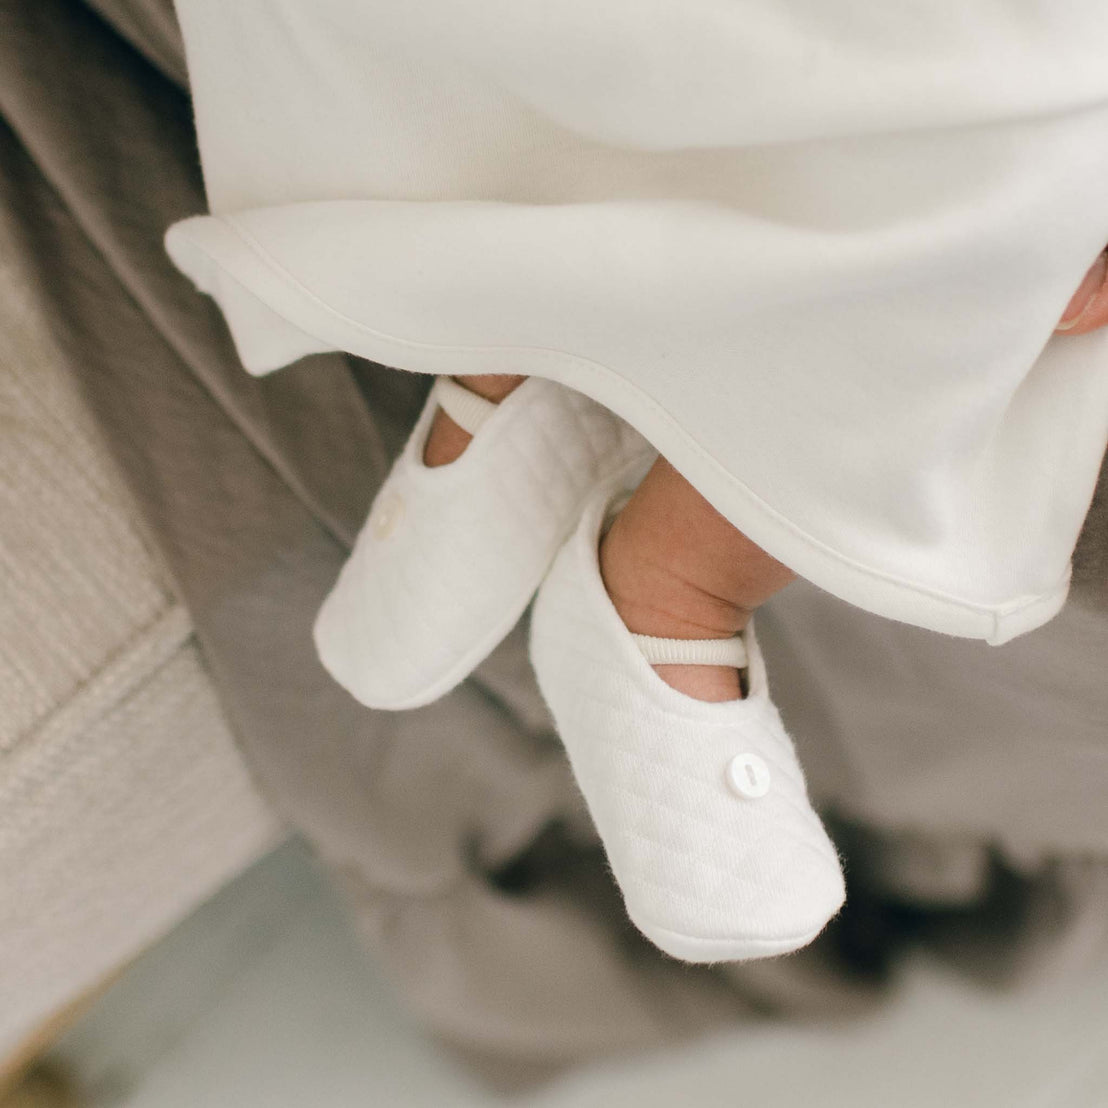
column 451, row 555
column 702, row 807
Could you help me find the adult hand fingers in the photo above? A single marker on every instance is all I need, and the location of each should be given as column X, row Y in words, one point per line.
column 1088, row 309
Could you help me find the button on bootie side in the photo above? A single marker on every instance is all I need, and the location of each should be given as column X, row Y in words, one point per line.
column 702, row 807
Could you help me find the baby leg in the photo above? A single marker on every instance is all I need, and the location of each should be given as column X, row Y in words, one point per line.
column 675, row 568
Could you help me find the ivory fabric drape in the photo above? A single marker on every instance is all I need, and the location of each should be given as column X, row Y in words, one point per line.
column 813, row 249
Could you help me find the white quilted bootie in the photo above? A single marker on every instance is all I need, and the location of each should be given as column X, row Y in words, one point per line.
column 702, row 807
column 451, row 555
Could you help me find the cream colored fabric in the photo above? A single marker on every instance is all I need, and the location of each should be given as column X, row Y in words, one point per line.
column 123, row 802
column 813, row 250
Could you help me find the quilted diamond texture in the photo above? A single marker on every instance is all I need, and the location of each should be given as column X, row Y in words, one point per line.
column 450, row 556
column 705, row 873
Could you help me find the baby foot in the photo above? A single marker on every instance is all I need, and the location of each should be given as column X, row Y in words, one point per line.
column 446, row 440
column 653, row 599
column 674, row 568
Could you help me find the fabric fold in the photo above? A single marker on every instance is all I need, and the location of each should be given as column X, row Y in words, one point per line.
column 943, row 506
column 823, row 285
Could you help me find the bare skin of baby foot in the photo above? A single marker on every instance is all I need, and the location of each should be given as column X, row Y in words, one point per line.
column 446, row 439
column 675, row 568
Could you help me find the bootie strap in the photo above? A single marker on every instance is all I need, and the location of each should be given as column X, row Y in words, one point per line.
column 468, row 410
column 693, row 652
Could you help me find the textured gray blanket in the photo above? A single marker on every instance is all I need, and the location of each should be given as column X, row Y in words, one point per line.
column 966, row 784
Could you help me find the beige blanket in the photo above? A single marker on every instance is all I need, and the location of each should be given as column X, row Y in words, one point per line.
column 966, row 783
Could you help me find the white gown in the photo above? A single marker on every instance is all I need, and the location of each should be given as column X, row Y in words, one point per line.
column 813, row 249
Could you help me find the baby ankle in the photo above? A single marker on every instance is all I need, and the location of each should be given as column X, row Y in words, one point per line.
column 653, row 599
column 650, row 600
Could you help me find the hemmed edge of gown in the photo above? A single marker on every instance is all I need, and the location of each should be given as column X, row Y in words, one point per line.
column 275, row 320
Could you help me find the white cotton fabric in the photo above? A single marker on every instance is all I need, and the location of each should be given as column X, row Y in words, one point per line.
column 707, row 873
column 814, row 250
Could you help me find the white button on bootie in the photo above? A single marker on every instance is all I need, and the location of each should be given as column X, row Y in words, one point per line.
column 702, row 807
column 451, row 555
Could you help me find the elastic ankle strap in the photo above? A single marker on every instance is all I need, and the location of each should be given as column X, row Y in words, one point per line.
column 693, row 652
column 468, row 410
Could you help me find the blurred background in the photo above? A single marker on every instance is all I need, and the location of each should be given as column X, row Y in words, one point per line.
column 264, row 997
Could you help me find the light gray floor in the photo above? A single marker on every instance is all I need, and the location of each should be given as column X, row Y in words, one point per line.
column 263, row 998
